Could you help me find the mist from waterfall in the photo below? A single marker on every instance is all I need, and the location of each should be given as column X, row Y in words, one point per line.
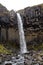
column 23, row 47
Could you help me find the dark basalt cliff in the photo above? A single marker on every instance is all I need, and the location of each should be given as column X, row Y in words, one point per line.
column 33, row 24
column 32, row 18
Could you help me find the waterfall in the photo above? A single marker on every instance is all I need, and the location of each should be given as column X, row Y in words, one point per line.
column 23, row 47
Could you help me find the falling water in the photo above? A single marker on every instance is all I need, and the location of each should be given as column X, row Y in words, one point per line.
column 23, row 47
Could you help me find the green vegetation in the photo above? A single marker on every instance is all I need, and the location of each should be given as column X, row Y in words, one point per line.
column 36, row 47
column 4, row 50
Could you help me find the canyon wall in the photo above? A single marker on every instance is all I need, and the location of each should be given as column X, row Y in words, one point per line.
column 32, row 18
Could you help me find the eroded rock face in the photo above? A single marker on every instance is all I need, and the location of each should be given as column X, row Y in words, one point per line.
column 13, row 18
column 33, row 24
column 32, row 18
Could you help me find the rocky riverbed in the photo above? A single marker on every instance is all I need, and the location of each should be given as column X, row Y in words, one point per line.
column 34, row 58
column 30, row 58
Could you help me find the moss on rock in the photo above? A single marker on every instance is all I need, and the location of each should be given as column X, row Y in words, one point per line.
column 3, row 50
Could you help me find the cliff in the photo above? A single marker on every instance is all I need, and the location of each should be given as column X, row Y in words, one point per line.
column 32, row 18
column 33, row 24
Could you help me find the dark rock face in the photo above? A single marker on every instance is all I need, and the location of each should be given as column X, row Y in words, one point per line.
column 33, row 24
column 3, row 9
column 13, row 18
column 32, row 18
column 7, row 20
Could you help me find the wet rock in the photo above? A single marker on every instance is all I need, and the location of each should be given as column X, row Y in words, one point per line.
column 0, row 60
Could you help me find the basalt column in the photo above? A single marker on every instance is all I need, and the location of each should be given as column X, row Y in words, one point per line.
column 6, row 34
column 0, row 33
